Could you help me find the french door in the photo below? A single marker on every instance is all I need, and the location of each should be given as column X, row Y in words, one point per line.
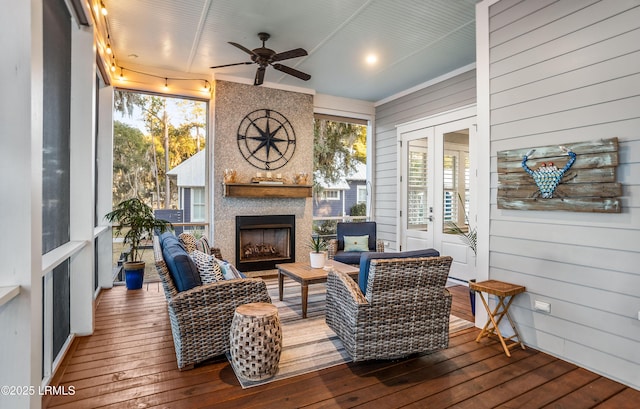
column 436, row 179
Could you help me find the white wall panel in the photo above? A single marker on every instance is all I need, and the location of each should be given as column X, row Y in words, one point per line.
column 562, row 72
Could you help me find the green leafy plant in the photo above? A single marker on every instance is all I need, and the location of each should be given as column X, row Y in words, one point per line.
column 317, row 244
column 137, row 219
column 468, row 235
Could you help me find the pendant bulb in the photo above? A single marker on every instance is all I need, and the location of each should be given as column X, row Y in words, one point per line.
column 103, row 9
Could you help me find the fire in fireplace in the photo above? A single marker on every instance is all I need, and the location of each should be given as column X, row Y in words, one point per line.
column 264, row 241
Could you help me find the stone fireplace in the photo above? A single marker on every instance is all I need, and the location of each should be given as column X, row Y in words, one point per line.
column 264, row 241
column 233, row 101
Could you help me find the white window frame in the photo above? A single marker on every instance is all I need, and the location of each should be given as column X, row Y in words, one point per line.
column 201, row 204
column 326, row 196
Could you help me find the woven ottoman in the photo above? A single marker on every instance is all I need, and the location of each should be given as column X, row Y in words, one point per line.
column 256, row 341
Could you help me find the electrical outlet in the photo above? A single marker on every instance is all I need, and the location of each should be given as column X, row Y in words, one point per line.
column 638, row 315
column 542, row 306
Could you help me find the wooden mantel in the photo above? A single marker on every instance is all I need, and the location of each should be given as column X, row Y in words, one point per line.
column 259, row 190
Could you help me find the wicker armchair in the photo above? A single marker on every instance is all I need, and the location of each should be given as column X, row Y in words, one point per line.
column 335, row 247
column 201, row 317
column 405, row 309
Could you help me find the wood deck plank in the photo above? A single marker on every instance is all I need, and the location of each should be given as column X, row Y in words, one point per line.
column 130, row 362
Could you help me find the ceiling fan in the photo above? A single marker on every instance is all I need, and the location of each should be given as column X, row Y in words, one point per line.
column 265, row 56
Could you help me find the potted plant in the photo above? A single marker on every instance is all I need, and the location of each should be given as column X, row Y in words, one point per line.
column 318, row 255
column 137, row 219
column 469, row 236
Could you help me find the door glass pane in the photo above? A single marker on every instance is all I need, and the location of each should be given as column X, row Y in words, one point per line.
column 455, row 185
column 417, row 172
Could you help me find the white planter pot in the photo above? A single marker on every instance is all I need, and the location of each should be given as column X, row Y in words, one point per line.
column 317, row 260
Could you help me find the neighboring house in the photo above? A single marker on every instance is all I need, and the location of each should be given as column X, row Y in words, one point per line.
column 336, row 199
column 189, row 177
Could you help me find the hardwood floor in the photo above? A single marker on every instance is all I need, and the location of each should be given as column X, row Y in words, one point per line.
column 129, row 362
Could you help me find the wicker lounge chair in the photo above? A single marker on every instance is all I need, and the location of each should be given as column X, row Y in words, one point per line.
column 405, row 309
column 201, row 317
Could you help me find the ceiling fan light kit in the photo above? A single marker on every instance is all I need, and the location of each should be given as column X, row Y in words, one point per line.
column 264, row 57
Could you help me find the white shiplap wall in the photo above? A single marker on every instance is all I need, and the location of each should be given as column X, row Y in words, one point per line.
column 455, row 92
column 561, row 72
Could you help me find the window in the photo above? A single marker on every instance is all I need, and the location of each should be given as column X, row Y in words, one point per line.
column 197, row 204
column 455, row 179
column 362, row 194
column 331, row 194
column 417, row 185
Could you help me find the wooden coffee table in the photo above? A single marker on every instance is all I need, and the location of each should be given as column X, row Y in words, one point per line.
column 305, row 275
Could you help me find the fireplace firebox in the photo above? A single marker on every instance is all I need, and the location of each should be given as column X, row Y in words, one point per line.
column 264, row 241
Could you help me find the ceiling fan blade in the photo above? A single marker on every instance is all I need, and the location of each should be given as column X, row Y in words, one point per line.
column 291, row 71
column 231, row 65
column 259, row 76
column 298, row 52
column 243, row 48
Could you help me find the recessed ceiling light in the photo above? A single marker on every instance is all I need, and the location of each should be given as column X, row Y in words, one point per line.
column 371, row 59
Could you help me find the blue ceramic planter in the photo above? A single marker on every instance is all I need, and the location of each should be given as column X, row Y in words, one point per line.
column 133, row 275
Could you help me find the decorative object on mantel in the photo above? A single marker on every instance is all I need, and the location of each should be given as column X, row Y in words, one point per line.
column 539, row 178
column 269, row 179
column 266, row 139
column 230, row 176
column 301, row 178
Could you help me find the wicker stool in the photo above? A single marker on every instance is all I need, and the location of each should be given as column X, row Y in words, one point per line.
column 256, row 341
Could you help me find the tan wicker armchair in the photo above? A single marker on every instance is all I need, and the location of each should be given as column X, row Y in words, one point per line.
column 201, row 317
column 405, row 309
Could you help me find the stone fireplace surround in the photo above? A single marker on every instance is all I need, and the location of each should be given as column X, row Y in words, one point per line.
column 232, row 101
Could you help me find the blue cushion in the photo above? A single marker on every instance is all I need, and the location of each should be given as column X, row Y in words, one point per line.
column 356, row 229
column 182, row 268
column 365, row 262
column 167, row 236
column 348, row 257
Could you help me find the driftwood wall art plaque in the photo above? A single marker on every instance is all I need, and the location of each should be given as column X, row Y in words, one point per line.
column 578, row 177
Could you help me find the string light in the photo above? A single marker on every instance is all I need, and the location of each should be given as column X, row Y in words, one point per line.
column 109, row 51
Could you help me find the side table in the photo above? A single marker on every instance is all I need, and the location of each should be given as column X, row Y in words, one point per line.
column 505, row 293
column 256, row 341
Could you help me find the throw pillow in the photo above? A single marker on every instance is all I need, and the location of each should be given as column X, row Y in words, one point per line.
column 356, row 243
column 229, row 271
column 203, row 245
column 188, row 240
column 207, row 267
